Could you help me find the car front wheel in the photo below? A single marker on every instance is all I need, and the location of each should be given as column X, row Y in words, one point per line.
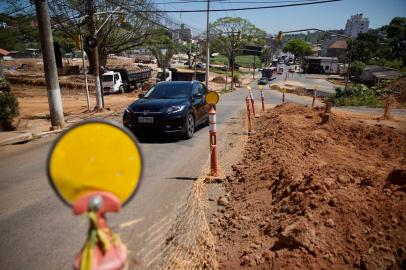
column 189, row 126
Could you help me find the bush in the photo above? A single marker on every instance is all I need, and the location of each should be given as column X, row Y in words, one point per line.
column 8, row 109
column 357, row 95
column 4, row 85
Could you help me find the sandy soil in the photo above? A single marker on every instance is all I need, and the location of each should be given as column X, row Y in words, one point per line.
column 313, row 196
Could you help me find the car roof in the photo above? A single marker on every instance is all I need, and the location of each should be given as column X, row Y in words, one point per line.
column 178, row 82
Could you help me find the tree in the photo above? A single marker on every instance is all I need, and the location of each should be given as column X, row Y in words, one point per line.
column 357, row 68
column 230, row 34
column 162, row 47
column 124, row 30
column 396, row 31
column 298, row 47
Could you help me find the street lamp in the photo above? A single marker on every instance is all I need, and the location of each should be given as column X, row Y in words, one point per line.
column 331, row 33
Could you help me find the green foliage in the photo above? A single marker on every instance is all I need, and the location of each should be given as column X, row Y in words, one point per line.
column 22, row 33
column 298, row 47
column 358, row 95
column 242, row 60
column 228, row 42
column 4, row 85
column 357, row 67
column 373, row 48
column 8, row 109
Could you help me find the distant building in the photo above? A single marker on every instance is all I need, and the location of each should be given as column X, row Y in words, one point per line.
column 320, row 65
column 356, row 25
column 338, row 49
column 27, row 53
column 373, row 75
column 182, row 34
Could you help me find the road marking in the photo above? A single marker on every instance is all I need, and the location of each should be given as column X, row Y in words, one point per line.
column 130, row 223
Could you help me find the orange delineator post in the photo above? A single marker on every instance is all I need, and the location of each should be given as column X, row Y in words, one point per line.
column 252, row 103
column 314, row 98
column 247, row 100
column 262, row 100
column 213, row 141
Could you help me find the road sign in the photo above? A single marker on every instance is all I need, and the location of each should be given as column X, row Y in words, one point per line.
column 95, row 156
column 261, row 87
column 212, row 98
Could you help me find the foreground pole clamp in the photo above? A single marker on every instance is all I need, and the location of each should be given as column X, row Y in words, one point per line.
column 247, row 101
column 213, row 141
column 103, row 249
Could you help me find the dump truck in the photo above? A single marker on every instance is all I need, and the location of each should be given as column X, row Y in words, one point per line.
column 121, row 80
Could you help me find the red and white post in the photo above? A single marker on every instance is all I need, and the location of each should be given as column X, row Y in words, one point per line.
column 263, row 101
column 247, row 101
column 252, row 103
column 314, row 98
column 213, row 141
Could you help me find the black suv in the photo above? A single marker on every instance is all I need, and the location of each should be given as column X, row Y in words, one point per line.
column 169, row 107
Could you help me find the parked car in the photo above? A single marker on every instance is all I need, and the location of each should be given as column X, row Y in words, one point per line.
column 169, row 107
column 263, row 81
column 200, row 65
column 280, row 69
column 292, row 70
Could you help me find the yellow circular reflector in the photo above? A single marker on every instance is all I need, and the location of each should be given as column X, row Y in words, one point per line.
column 212, row 98
column 249, row 87
column 95, row 156
column 261, row 87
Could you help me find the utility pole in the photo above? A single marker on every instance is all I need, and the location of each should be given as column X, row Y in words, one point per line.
column 349, row 66
column 51, row 73
column 232, row 61
column 207, row 45
column 91, row 10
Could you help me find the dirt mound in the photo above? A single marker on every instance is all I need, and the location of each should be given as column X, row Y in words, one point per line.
column 219, row 79
column 312, row 196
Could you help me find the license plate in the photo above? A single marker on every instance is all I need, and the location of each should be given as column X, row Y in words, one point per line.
column 145, row 120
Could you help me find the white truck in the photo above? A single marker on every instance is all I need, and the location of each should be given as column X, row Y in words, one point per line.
column 121, row 80
column 172, row 74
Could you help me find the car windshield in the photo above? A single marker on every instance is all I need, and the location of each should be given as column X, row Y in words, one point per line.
column 107, row 78
column 169, row 91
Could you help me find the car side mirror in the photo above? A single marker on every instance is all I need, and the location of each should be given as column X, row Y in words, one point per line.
column 141, row 95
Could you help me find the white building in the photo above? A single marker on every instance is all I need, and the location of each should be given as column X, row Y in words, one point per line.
column 356, row 25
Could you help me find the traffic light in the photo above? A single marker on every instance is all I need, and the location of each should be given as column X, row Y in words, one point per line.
column 121, row 18
column 77, row 42
column 280, row 36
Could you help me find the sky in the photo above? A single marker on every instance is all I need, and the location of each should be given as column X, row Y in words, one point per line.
column 326, row 16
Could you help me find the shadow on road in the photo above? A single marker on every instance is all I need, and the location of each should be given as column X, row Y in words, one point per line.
column 183, row 178
column 160, row 137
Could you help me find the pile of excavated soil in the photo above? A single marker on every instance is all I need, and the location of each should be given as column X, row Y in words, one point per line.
column 312, row 196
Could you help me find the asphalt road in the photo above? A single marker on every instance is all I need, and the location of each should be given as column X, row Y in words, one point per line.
column 39, row 232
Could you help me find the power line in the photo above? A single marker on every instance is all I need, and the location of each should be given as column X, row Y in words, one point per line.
column 230, row 2
column 238, row 9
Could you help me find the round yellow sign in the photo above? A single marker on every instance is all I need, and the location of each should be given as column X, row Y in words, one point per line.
column 212, row 98
column 95, row 156
column 261, row 87
column 249, row 87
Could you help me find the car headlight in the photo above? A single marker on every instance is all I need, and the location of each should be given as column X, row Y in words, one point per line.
column 175, row 109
